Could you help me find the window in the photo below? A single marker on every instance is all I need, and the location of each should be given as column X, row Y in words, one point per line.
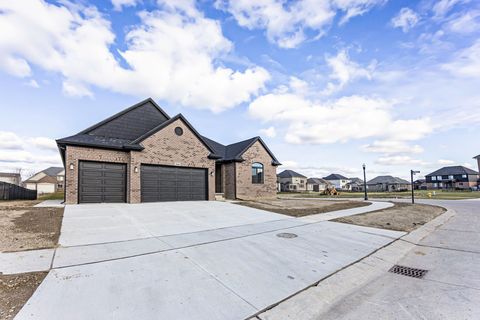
column 439, row 177
column 464, row 176
column 178, row 131
column 434, row 178
column 450, row 177
column 257, row 172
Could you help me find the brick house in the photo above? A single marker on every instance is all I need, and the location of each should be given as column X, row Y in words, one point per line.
column 141, row 154
column 292, row 181
column 454, row 177
column 388, row 184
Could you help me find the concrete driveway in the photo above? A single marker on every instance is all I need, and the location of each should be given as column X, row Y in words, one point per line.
column 195, row 260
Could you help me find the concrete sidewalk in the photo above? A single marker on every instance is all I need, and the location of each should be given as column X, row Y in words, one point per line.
column 448, row 247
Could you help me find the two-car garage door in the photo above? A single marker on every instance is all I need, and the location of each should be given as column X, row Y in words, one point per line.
column 164, row 183
column 106, row 182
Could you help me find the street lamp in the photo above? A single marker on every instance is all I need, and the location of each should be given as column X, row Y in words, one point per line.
column 412, row 173
column 364, row 182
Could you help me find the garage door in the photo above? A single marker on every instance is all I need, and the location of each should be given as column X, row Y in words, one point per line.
column 162, row 183
column 101, row 182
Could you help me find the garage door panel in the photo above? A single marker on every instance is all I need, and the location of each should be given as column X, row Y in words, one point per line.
column 163, row 183
column 102, row 182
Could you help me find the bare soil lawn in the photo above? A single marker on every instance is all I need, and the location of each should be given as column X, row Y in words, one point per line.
column 23, row 227
column 401, row 217
column 302, row 207
column 15, row 290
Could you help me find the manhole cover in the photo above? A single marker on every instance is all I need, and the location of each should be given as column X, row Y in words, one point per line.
column 409, row 272
column 286, row 235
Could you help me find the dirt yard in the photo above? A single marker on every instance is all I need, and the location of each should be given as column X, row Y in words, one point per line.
column 23, row 227
column 302, row 207
column 401, row 217
column 15, row 290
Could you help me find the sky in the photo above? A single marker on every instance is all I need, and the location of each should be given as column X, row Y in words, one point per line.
column 329, row 85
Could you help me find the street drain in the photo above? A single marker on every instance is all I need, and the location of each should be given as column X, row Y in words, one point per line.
column 286, row 235
column 409, row 272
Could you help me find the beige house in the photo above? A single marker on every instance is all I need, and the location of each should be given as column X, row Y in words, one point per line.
column 49, row 180
column 291, row 181
column 388, row 184
column 9, row 177
column 142, row 155
column 317, row 184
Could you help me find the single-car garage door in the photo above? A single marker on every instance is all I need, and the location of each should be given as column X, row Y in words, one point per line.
column 163, row 183
column 101, row 182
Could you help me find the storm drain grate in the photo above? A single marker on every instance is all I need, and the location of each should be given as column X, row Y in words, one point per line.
column 286, row 235
column 409, row 272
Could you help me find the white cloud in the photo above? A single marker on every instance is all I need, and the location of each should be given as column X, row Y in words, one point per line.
column 339, row 120
column 442, row 7
column 344, row 70
column 391, row 147
column 406, row 19
column 269, row 132
column 286, row 23
column 466, row 22
column 466, row 62
column 43, row 143
column 119, row 4
column 174, row 53
column 33, row 83
column 9, row 140
column 400, row 161
column 445, row 162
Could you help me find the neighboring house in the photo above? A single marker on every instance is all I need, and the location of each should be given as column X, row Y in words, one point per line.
column 388, row 183
column 355, row 184
column 8, row 177
column 478, row 162
column 454, row 177
column 340, row 182
column 49, row 180
column 141, row 154
column 420, row 184
column 317, row 184
column 292, row 181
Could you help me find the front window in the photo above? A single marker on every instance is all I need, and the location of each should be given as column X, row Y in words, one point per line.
column 450, row 177
column 439, row 177
column 464, row 176
column 434, row 178
column 257, row 173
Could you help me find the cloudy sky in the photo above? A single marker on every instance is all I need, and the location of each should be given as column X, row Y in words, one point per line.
column 328, row 84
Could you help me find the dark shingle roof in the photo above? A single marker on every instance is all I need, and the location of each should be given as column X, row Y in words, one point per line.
column 53, row 171
column 335, row 176
column 317, row 181
column 128, row 128
column 387, row 180
column 290, row 174
column 356, row 180
column 9, row 174
column 453, row 170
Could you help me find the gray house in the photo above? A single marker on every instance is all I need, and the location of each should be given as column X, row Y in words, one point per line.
column 453, row 177
column 290, row 180
column 9, row 177
column 388, row 183
column 317, row 184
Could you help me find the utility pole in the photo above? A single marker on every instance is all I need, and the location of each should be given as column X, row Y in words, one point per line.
column 364, row 182
column 412, row 173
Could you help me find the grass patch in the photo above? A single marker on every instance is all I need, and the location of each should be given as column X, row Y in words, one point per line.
column 419, row 194
column 300, row 207
column 51, row 196
column 401, row 217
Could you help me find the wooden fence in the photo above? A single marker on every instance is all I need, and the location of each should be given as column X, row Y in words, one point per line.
column 10, row 191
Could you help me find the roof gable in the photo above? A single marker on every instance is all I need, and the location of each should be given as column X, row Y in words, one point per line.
column 130, row 123
column 317, row 181
column 290, row 174
column 452, row 170
column 335, row 176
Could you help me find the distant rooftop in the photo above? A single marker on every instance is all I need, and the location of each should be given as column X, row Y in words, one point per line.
column 453, row 170
column 290, row 174
column 335, row 176
column 387, row 180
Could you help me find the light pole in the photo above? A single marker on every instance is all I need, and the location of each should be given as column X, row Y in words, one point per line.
column 364, row 182
column 412, row 173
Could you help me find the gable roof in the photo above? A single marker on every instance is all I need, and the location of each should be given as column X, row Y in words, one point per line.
column 318, row 181
column 49, row 172
column 234, row 151
column 335, row 176
column 476, row 157
column 128, row 128
column 356, row 180
column 387, row 180
column 290, row 174
column 453, row 170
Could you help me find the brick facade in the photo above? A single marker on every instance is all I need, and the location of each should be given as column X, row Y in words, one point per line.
column 245, row 189
column 161, row 148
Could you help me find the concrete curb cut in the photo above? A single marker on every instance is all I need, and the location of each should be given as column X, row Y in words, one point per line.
column 311, row 303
